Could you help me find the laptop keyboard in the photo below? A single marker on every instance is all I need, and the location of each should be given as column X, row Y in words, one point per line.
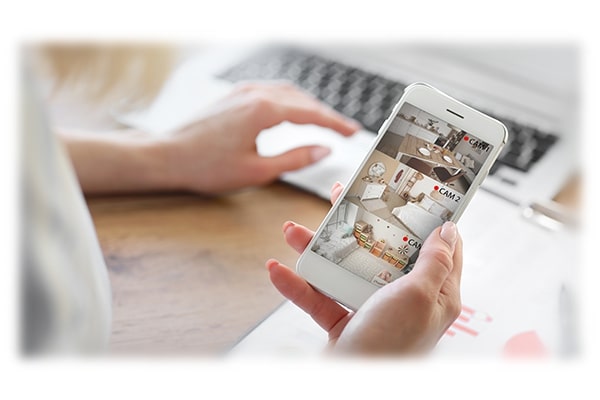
column 369, row 98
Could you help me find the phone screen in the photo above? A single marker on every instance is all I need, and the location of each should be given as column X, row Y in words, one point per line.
column 414, row 181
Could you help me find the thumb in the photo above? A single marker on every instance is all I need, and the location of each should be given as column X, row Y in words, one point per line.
column 297, row 158
column 436, row 258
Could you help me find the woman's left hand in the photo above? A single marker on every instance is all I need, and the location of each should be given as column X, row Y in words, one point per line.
column 406, row 316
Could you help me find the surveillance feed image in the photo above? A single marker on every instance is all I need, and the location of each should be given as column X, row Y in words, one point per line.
column 414, row 181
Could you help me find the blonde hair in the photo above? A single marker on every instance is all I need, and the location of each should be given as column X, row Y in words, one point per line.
column 129, row 73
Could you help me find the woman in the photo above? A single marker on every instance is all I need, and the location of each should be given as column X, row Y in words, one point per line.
column 65, row 288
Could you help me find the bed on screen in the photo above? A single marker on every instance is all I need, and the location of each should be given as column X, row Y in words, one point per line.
column 423, row 216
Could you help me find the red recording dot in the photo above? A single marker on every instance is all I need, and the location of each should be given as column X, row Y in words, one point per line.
column 436, row 187
column 466, row 138
column 405, row 238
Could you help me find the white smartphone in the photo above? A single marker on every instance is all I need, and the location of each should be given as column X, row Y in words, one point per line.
column 429, row 158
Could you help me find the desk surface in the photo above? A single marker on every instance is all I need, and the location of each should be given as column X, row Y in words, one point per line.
column 188, row 272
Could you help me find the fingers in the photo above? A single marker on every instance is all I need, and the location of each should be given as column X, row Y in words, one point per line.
column 317, row 114
column 336, row 190
column 273, row 103
column 451, row 288
column 294, row 159
column 324, row 311
column 297, row 236
column 280, row 102
column 437, row 258
column 456, row 273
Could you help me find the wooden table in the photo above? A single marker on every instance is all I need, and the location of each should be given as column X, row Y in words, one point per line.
column 188, row 272
column 411, row 144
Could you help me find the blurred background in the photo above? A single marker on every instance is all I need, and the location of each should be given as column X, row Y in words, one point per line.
column 572, row 25
column 532, row 194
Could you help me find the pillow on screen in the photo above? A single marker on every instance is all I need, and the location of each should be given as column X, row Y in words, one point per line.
column 426, row 202
column 437, row 209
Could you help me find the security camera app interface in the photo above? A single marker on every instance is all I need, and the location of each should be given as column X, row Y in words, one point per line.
column 412, row 183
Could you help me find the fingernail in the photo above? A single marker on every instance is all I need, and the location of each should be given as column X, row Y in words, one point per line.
column 271, row 263
column 287, row 225
column 449, row 233
column 318, row 153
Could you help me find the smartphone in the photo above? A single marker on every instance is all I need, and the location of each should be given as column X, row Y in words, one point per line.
column 430, row 156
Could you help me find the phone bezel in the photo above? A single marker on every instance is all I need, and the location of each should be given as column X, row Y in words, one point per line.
column 342, row 285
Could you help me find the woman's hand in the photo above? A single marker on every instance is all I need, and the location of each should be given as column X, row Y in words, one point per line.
column 407, row 316
column 218, row 153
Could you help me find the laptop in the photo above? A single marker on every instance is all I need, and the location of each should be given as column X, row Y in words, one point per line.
column 533, row 89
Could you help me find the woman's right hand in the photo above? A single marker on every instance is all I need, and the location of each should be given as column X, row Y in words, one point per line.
column 407, row 316
column 217, row 153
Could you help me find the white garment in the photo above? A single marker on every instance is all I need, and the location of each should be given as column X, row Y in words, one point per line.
column 65, row 291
